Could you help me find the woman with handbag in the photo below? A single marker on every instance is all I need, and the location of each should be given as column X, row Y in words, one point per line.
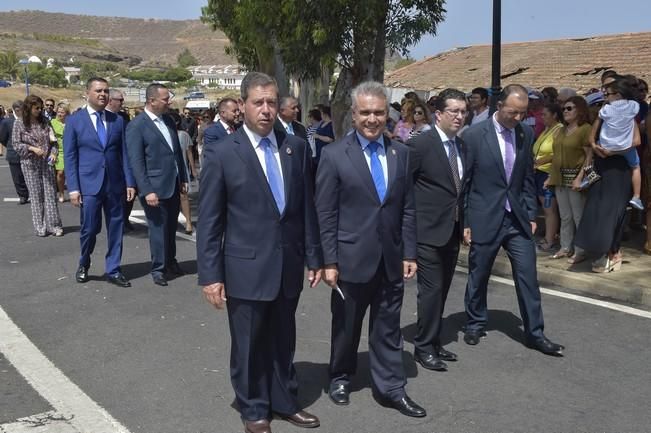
column 571, row 146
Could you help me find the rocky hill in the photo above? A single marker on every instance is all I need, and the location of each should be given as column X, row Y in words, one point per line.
column 132, row 41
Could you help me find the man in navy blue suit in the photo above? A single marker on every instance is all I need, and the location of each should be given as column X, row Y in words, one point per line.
column 500, row 212
column 160, row 173
column 365, row 204
column 229, row 112
column 256, row 231
column 98, row 177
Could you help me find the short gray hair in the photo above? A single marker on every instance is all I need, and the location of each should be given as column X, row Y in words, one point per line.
column 368, row 88
column 115, row 93
column 286, row 100
column 255, row 79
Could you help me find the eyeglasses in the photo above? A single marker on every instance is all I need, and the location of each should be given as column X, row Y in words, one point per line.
column 117, row 99
column 419, row 112
column 49, row 105
column 455, row 113
column 568, row 108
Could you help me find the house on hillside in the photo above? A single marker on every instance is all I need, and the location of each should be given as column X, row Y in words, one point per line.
column 574, row 63
column 72, row 74
column 222, row 76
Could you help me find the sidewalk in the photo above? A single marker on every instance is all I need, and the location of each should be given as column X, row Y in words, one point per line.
column 632, row 284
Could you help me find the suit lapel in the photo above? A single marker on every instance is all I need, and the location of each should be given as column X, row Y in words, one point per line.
column 155, row 129
column 441, row 155
column 89, row 122
column 247, row 153
column 392, row 164
column 286, row 152
column 358, row 160
column 494, row 147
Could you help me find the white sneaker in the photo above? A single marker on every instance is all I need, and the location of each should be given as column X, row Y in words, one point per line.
column 636, row 203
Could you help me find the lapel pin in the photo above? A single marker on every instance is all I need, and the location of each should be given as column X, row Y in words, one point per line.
column 288, row 150
column 393, row 151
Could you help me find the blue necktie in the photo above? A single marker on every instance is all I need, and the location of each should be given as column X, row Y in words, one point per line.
column 273, row 174
column 101, row 130
column 376, row 171
column 290, row 129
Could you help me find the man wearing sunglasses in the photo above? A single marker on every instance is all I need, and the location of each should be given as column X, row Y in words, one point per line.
column 48, row 112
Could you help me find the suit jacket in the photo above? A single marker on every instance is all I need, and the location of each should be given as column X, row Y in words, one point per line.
column 436, row 195
column 6, row 128
column 153, row 163
column 357, row 230
column 213, row 134
column 299, row 129
column 242, row 239
column 486, row 187
column 88, row 163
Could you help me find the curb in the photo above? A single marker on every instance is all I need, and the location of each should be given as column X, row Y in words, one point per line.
column 630, row 288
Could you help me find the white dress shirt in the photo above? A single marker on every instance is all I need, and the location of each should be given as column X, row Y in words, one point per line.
column 93, row 118
column 381, row 153
column 445, row 140
column 259, row 151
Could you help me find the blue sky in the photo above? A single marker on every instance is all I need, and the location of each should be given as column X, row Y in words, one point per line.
column 468, row 22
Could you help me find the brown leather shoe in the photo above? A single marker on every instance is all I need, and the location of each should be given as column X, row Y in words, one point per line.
column 301, row 419
column 259, row 426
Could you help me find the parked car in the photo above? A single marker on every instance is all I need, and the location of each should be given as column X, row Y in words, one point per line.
column 5, row 83
column 194, row 95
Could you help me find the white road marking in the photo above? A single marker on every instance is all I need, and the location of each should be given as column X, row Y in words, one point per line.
column 604, row 304
column 11, row 199
column 84, row 415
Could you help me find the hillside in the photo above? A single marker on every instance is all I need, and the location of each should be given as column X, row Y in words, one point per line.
column 128, row 40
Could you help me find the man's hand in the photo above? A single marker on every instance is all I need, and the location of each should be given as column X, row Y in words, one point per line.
column 215, row 294
column 152, row 199
column 534, row 226
column 131, row 194
column 467, row 236
column 314, row 276
column 184, row 188
column 409, row 268
column 331, row 275
column 75, row 199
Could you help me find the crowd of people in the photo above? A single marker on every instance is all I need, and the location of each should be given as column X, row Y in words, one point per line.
column 392, row 199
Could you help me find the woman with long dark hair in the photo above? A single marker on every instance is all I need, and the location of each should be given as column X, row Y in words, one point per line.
column 35, row 143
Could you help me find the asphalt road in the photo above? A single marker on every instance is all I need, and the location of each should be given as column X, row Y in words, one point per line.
column 156, row 359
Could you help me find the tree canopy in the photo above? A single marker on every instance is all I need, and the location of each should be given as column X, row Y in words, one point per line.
column 185, row 59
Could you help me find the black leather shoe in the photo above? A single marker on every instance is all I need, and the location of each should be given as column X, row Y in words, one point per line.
column 472, row 337
column 82, row 274
column 175, row 270
column 118, row 280
column 408, row 407
column 430, row 362
column 23, row 200
column 339, row 394
column 547, row 347
column 159, row 280
column 301, row 419
column 446, row 355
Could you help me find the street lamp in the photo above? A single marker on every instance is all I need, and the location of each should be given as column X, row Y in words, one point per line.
column 25, row 62
column 497, row 54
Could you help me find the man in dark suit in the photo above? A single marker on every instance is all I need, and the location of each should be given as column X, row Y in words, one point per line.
column 229, row 113
column 500, row 211
column 365, row 204
column 157, row 165
column 287, row 118
column 6, row 128
column 189, row 124
column 436, row 159
column 257, row 229
column 98, row 177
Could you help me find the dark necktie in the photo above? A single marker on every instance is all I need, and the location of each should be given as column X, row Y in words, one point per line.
column 509, row 159
column 376, row 171
column 101, row 130
column 273, row 174
column 454, row 165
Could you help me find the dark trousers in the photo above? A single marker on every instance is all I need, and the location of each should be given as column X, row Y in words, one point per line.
column 162, row 221
column 436, row 267
column 18, row 179
column 263, row 342
column 128, row 207
column 521, row 251
column 385, row 338
column 91, row 225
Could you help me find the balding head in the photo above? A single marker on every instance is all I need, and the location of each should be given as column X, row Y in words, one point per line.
column 512, row 105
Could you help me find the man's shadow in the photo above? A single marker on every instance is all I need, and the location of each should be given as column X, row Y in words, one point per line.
column 137, row 270
column 498, row 320
column 314, row 380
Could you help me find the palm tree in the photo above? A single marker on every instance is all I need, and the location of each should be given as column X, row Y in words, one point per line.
column 10, row 64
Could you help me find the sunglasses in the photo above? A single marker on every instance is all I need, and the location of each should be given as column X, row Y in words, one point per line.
column 117, row 99
column 49, row 105
column 568, row 108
